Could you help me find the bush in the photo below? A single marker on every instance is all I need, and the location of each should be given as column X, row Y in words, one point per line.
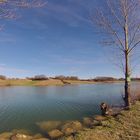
column 38, row 77
column 61, row 77
column 2, row 77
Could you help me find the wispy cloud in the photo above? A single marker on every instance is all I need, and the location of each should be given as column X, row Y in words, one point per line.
column 7, row 40
column 72, row 13
column 5, row 37
column 55, row 58
column 69, row 14
column 4, row 68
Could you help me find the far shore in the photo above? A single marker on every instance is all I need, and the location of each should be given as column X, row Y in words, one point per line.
column 50, row 82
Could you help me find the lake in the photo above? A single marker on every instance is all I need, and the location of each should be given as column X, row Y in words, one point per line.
column 23, row 107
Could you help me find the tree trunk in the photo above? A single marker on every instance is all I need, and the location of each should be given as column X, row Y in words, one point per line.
column 127, row 67
column 127, row 82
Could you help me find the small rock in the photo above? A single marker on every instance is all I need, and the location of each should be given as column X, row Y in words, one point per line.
column 49, row 125
column 55, row 134
column 21, row 131
column 71, row 127
column 99, row 118
column 5, row 135
column 37, row 136
column 20, row 137
column 96, row 123
column 76, row 125
column 88, row 122
column 68, row 131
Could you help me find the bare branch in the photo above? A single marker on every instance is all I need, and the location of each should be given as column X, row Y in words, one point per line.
column 114, row 14
column 27, row 3
column 134, row 46
column 134, row 35
column 8, row 7
column 104, row 23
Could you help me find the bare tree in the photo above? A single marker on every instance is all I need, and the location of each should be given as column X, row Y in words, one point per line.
column 8, row 7
column 119, row 21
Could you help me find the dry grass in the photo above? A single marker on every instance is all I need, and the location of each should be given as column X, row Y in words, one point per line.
column 29, row 82
column 49, row 82
column 16, row 82
column 79, row 82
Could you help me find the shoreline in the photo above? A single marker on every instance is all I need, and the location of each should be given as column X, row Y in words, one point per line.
column 50, row 82
column 117, row 127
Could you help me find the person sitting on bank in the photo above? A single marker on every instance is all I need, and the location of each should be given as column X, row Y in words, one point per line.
column 105, row 109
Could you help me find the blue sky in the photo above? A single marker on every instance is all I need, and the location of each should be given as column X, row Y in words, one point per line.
column 58, row 39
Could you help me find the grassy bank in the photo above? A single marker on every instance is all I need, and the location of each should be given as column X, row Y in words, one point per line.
column 50, row 82
column 125, row 126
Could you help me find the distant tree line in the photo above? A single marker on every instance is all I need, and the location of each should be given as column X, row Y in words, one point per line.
column 62, row 77
column 102, row 79
column 38, row 77
column 99, row 79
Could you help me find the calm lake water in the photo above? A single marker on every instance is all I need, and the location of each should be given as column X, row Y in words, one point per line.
column 23, row 107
